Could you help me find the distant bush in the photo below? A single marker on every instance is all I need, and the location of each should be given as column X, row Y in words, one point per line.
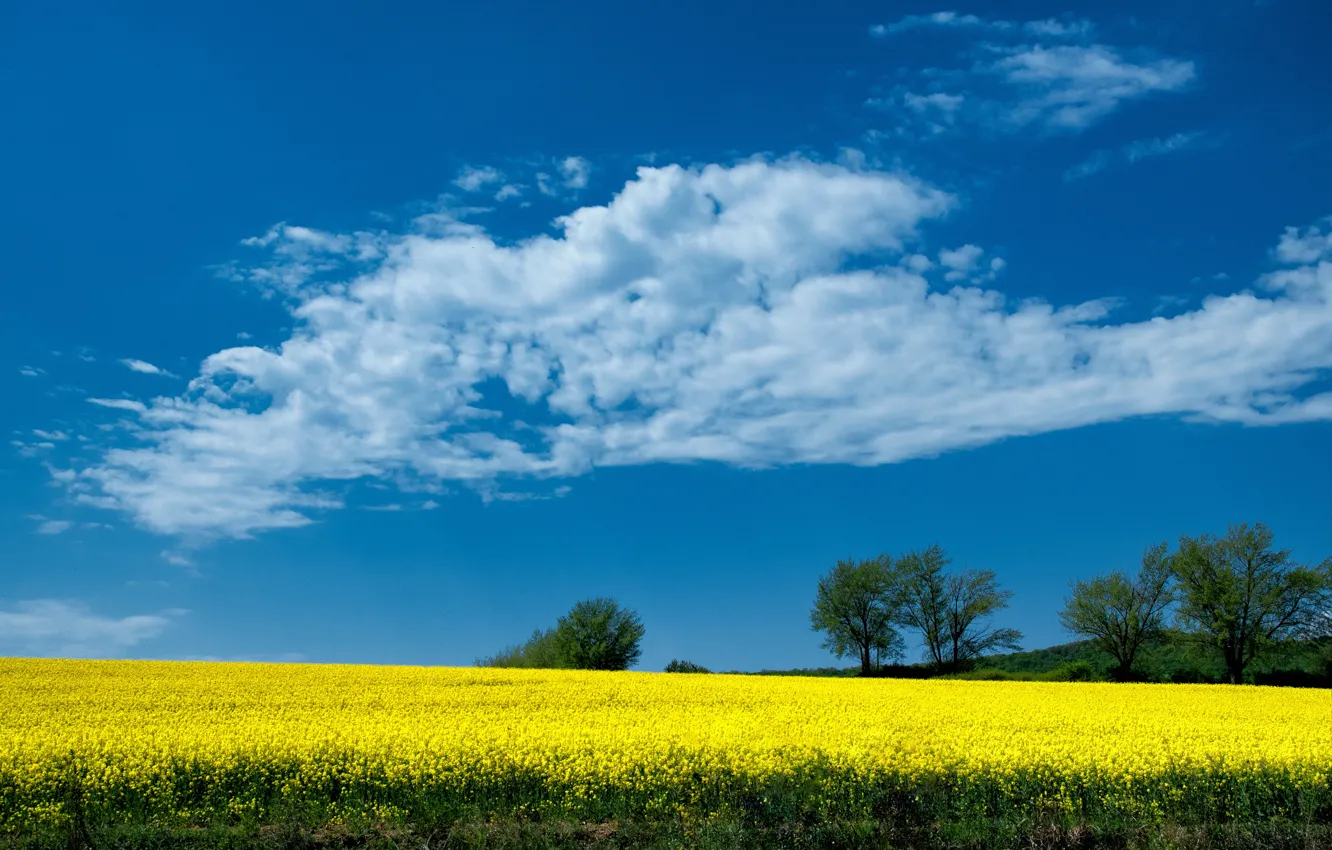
column 1187, row 676
column 901, row 671
column 990, row 674
column 1073, row 671
column 1292, row 679
column 677, row 666
column 539, row 652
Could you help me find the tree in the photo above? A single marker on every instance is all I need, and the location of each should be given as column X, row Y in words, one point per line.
column 1241, row 598
column 538, row 652
column 1119, row 614
column 856, row 605
column 678, row 666
column 598, row 634
column 950, row 610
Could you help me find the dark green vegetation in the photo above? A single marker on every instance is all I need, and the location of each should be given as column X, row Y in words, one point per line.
column 708, row 835
column 596, row 634
column 1229, row 608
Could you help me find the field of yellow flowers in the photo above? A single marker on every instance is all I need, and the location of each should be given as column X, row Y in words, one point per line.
column 187, row 743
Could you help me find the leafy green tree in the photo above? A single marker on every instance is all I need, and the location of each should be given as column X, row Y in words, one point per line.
column 951, row 611
column 599, row 634
column 1242, row 599
column 855, row 606
column 1118, row 613
column 538, row 652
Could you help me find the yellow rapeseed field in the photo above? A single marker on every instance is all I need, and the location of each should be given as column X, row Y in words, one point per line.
column 186, row 742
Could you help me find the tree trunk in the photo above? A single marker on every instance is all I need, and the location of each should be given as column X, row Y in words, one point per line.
column 865, row 668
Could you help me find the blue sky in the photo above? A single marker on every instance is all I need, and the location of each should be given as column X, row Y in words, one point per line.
column 383, row 335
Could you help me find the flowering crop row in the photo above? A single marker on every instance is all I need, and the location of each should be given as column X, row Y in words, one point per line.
column 186, row 742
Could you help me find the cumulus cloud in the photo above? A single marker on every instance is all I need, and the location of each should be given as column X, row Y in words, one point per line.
column 767, row 313
column 54, row 627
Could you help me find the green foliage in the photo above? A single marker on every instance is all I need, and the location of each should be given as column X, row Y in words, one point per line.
column 538, row 652
column 1120, row 614
column 855, row 607
column 950, row 611
column 1241, row 599
column 1073, row 671
column 599, row 634
column 677, row 666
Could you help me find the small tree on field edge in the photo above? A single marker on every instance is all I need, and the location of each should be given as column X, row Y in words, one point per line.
column 599, row 634
column 855, row 607
column 1120, row 614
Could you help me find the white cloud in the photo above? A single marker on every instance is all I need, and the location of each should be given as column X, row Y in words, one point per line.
column 702, row 314
column 54, row 627
column 1049, row 27
column 176, row 559
column 507, row 191
column 1144, row 148
column 243, row 335
column 1307, row 246
column 576, row 171
column 1017, row 80
column 59, row 436
column 146, row 368
column 119, row 404
column 473, row 179
column 1070, row 87
column 1097, row 162
column 31, row 371
column 937, row 19
column 52, row 526
column 1134, row 152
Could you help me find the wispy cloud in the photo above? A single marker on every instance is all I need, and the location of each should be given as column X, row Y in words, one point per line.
column 1144, row 148
column 56, row 627
column 701, row 314
column 1056, row 28
column 119, row 404
column 1070, row 87
column 31, row 371
column 1047, row 75
column 145, row 368
column 472, row 179
column 176, row 559
column 1134, row 152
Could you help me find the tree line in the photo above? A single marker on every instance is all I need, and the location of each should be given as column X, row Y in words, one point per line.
column 1234, row 596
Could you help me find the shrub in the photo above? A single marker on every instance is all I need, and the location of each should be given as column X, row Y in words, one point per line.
column 677, row 666
column 539, row 651
column 1072, row 671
